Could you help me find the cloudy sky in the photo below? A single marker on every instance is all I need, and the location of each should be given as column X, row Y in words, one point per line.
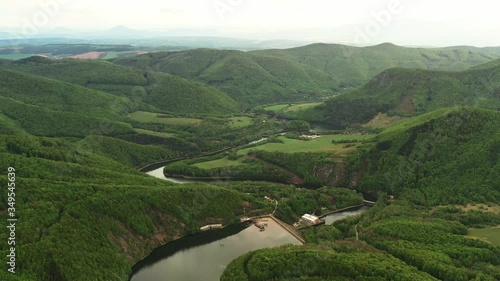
column 404, row 22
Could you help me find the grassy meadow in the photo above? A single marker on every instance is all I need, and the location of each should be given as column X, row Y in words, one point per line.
column 489, row 234
column 324, row 143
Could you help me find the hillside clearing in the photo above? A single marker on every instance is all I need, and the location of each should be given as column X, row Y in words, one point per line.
column 324, row 143
column 489, row 234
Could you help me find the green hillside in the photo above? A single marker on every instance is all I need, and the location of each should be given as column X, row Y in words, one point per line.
column 83, row 214
column 146, row 89
column 125, row 152
column 40, row 121
column 249, row 79
column 271, row 76
column 446, row 156
column 408, row 92
column 59, row 96
column 449, row 156
column 353, row 66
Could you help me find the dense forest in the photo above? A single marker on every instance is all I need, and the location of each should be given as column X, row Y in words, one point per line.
column 76, row 132
column 410, row 92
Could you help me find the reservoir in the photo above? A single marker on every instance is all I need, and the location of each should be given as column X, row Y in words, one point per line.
column 205, row 255
column 345, row 214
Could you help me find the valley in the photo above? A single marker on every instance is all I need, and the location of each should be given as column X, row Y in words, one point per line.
column 240, row 134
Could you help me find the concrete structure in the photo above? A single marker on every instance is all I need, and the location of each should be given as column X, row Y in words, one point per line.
column 311, row 219
column 210, row 226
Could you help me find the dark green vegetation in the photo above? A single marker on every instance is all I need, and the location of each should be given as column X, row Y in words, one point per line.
column 86, row 213
column 353, row 66
column 147, row 89
column 447, row 156
column 83, row 214
column 396, row 242
column 269, row 76
column 408, row 92
column 293, row 202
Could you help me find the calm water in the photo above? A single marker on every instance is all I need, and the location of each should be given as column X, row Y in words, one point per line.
column 189, row 259
column 158, row 173
column 338, row 216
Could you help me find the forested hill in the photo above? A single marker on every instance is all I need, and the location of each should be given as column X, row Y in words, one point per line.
column 147, row 89
column 426, row 163
column 84, row 216
column 353, row 66
column 446, row 156
column 312, row 71
column 250, row 79
column 408, row 92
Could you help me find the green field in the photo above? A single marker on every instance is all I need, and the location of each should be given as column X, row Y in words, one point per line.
column 150, row 117
column 302, row 106
column 490, row 234
column 153, row 133
column 324, row 143
column 219, row 163
column 287, row 107
column 277, row 107
column 240, row 122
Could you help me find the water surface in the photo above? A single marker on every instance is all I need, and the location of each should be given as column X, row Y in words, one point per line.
column 189, row 259
column 345, row 214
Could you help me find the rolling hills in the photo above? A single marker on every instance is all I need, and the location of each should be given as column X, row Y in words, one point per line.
column 304, row 73
column 147, row 90
column 446, row 156
column 251, row 80
column 353, row 66
column 408, row 92
column 426, row 163
column 86, row 213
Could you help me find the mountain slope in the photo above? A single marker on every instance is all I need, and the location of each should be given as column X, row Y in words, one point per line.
column 56, row 95
column 446, row 156
column 270, row 76
column 146, row 89
column 413, row 91
column 353, row 66
column 247, row 78
column 83, row 215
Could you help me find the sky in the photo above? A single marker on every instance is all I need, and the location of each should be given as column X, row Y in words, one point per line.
column 364, row 22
